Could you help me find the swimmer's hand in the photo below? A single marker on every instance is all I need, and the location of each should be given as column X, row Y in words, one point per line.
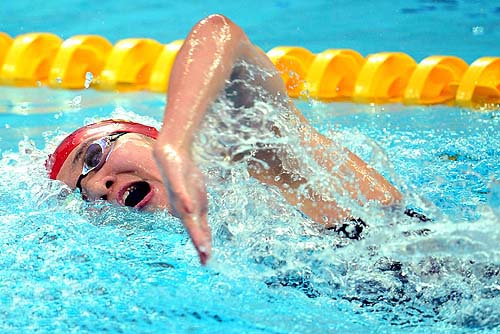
column 185, row 186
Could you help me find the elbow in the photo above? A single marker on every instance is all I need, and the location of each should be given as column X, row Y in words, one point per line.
column 217, row 23
column 216, row 20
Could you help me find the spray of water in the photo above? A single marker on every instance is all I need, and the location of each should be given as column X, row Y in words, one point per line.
column 402, row 270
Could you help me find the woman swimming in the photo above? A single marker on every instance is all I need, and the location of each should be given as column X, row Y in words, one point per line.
column 134, row 165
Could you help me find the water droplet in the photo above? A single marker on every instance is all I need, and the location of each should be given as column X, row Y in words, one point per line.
column 88, row 79
column 76, row 102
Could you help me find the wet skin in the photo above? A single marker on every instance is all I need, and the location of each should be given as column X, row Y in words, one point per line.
column 200, row 72
column 130, row 163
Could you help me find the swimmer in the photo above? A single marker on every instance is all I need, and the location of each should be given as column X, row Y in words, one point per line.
column 135, row 165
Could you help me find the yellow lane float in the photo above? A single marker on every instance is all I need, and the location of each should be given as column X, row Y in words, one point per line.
column 129, row 64
column 293, row 64
column 5, row 42
column 480, row 84
column 85, row 61
column 333, row 73
column 78, row 58
column 383, row 77
column 29, row 59
column 163, row 65
column 435, row 80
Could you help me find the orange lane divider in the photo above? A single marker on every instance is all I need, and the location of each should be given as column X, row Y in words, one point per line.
column 85, row 61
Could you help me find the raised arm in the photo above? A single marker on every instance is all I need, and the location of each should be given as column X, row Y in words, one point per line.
column 201, row 69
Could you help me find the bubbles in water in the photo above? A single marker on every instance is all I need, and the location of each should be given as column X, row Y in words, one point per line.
column 478, row 30
column 402, row 270
column 401, row 266
column 494, row 196
column 75, row 102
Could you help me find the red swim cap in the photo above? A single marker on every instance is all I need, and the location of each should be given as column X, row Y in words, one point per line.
column 108, row 127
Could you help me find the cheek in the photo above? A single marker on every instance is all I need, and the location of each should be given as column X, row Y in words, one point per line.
column 69, row 173
column 161, row 197
column 148, row 166
column 137, row 159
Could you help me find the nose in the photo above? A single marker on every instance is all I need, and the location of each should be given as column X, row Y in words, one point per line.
column 98, row 187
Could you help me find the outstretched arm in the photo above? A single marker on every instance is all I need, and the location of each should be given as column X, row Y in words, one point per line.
column 200, row 71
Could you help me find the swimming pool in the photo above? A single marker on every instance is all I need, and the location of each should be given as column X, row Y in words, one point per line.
column 70, row 267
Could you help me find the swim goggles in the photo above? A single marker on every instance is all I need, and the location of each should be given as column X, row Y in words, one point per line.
column 56, row 160
column 96, row 155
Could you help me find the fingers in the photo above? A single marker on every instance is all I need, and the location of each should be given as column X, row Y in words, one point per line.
column 193, row 214
column 199, row 232
column 178, row 192
column 185, row 185
column 180, row 200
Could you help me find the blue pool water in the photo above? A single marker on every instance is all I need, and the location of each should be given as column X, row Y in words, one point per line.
column 70, row 267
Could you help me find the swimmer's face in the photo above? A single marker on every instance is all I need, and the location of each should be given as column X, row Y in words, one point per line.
column 125, row 173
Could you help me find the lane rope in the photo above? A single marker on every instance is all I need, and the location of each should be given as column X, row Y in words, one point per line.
column 91, row 61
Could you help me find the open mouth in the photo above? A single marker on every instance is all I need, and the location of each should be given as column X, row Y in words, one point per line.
column 135, row 195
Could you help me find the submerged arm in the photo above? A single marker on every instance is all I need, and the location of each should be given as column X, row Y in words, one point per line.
column 349, row 175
